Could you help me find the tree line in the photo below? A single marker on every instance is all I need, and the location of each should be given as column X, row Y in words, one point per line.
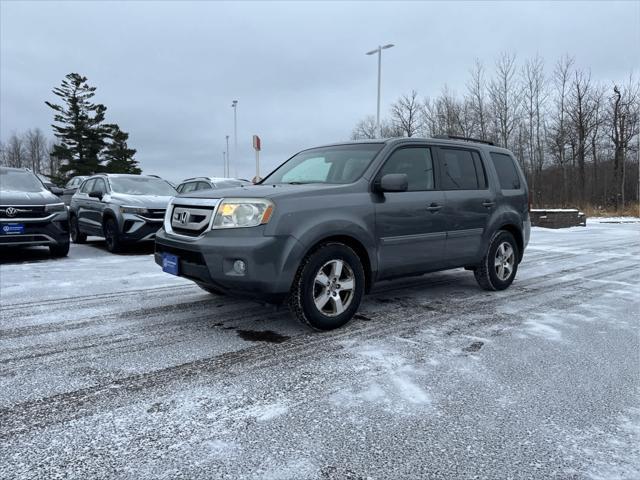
column 576, row 139
column 84, row 142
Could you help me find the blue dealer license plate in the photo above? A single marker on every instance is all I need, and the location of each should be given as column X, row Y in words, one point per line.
column 12, row 228
column 170, row 263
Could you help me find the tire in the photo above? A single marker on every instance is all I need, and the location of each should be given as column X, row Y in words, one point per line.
column 500, row 264
column 111, row 236
column 317, row 276
column 76, row 235
column 59, row 250
column 210, row 289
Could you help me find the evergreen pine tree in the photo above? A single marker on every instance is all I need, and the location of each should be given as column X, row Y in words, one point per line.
column 117, row 154
column 80, row 131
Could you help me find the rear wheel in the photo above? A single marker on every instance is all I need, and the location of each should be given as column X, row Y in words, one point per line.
column 76, row 235
column 500, row 264
column 111, row 236
column 328, row 287
column 60, row 249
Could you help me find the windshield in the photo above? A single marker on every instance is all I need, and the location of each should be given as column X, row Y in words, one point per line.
column 19, row 181
column 339, row 164
column 141, row 186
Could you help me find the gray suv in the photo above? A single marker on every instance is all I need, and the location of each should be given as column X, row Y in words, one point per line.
column 121, row 208
column 30, row 215
column 330, row 222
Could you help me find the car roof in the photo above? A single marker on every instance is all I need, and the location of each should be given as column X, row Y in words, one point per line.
column 211, row 179
column 453, row 141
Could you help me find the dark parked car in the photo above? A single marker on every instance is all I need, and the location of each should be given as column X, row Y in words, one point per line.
column 71, row 188
column 30, row 215
column 328, row 223
column 121, row 208
column 208, row 183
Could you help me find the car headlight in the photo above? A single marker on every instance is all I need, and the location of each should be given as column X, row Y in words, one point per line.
column 54, row 207
column 243, row 212
column 136, row 210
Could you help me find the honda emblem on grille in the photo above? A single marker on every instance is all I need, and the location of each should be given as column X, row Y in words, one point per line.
column 181, row 217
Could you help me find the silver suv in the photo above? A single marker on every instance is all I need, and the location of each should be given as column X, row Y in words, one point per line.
column 121, row 208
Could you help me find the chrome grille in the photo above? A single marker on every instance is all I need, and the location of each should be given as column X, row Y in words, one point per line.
column 190, row 217
column 9, row 212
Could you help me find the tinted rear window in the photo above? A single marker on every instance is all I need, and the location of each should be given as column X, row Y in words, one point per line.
column 460, row 170
column 507, row 172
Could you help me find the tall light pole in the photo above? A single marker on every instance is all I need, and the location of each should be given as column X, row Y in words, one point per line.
column 379, row 52
column 234, row 105
column 224, row 163
column 228, row 163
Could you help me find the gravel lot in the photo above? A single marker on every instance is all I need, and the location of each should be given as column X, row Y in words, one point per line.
column 110, row 368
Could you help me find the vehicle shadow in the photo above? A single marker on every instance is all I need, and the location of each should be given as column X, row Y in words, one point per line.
column 12, row 255
column 144, row 248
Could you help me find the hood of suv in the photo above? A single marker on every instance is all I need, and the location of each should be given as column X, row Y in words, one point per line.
column 146, row 201
column 44, row 197
column 262, row 191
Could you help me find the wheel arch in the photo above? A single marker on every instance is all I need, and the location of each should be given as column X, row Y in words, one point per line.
column 356, row 245
column 517, row 235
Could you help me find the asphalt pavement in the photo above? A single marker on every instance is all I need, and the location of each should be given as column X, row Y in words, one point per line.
column 110, row 368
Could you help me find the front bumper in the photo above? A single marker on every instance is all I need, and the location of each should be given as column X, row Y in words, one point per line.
column 54, row 231
column 136, row 229
column 271, row 262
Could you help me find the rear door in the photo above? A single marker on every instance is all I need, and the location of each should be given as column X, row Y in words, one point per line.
column 81, row 200
column 96, row 206
column 468, row 202
column 410, row 227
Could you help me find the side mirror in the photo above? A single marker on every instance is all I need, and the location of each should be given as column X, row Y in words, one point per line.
column 96, row 194
column 56, row 190
column 393, row 182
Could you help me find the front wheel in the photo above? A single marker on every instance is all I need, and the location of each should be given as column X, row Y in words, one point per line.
column 59, row 250
column 328, row 287
column 111, row 236
column 500, row 264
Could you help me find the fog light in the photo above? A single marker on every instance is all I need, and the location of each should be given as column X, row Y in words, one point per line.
column 240, row 267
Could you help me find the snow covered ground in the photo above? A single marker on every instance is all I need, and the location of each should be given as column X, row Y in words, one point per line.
column 111, row 369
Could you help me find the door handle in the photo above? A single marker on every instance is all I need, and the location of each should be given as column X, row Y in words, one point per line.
column 434, row 207
column 488, row 203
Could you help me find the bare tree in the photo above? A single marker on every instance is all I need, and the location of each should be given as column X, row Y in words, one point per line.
column 559, row 131
column 15, row 152
column 581, row 111
column 624, row 113
column 36, row 149
column 365, row 128
column 477, row 92
column 406, row 114
column 505, row 97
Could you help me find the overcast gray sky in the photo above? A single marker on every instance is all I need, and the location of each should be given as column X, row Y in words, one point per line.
column 168, row 71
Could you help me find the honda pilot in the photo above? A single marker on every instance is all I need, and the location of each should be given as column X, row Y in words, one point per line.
column 332, row 221
column 121, row 208
column 30, row 215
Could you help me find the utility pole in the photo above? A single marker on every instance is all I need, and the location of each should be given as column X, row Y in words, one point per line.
column 228, row 163
column 234, row 105
column 224, row 164
column 379, row 52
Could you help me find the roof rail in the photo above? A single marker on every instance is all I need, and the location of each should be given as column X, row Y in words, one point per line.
column 466, row 139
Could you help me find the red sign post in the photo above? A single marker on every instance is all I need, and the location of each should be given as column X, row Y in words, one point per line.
column 256, row 147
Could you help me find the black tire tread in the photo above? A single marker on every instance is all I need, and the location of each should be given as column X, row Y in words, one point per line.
column 295, row 296
column 481, row 273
